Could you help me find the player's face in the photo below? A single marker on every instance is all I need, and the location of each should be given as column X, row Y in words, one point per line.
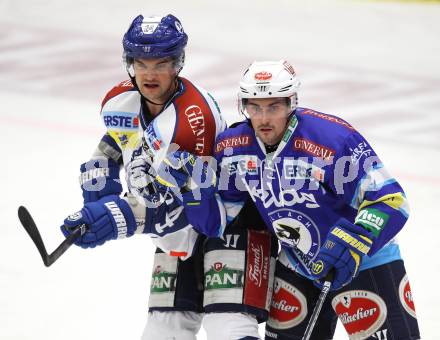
column 155, row 78
column 269, row 118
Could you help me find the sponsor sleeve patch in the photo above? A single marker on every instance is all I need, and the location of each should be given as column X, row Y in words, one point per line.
column 373, row 220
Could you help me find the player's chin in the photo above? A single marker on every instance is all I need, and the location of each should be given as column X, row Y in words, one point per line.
column 150, row 92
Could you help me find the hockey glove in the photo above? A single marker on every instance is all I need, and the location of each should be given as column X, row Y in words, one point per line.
column 140, row 174
column 109, row 218
column 190, row 178
column 343, row 250
column 99, row 178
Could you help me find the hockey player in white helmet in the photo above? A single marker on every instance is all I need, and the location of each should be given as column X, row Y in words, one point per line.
column 320, row 188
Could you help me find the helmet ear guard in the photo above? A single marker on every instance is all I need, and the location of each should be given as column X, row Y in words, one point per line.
column 269, row 79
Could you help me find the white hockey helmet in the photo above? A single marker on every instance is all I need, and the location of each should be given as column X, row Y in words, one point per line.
column 267, row 79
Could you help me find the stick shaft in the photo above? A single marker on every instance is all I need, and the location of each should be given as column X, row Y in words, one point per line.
column 322, row 296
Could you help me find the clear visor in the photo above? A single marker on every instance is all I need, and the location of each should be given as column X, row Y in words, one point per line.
column 253, row 109
column 173, row 64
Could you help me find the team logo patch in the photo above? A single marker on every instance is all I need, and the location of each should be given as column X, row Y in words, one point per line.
column 362, row 149
column 406, row 297
column 297, row 230
column 361, row 312
column 288, row 307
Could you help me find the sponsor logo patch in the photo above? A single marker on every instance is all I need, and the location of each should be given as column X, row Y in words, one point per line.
column 241, row 164
column 300, row 169
column 121, row 120
column 328, row 117
column 406, row 297
column 312, row 148
column 372, row 219
column 257, row 269
column 361, row 312
column 233, row 142
column 288, row 307
column 162, row 281
column 196, row 120
column 263, row 76
column 220, row 276
column 152, row 138
column 224, row 271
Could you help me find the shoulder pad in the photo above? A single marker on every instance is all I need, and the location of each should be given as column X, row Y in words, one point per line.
column 124, row 86
column 233, row 125
column 324, row 118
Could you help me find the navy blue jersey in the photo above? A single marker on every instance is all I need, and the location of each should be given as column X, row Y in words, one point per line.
column 322, row 170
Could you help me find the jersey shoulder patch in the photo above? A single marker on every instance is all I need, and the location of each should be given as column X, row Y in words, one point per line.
column 240, row 134
column 124, row 86
column 196, row 128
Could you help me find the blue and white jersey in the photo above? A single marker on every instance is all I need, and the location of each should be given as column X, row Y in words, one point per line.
column 135, row 139
column 322, row 170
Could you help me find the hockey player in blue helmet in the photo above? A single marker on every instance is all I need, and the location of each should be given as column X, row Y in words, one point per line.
column 155, row 44
column 145, row 116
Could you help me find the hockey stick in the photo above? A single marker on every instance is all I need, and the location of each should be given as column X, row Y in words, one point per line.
column 322, row 296
column 29, row 225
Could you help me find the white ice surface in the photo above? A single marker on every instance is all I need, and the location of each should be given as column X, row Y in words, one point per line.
column 374, row 64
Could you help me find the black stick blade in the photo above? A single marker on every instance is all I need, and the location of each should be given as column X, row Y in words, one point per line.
column 29, row 225
column 31, row 228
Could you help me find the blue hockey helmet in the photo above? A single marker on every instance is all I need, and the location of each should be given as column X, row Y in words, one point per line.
column 155, row 37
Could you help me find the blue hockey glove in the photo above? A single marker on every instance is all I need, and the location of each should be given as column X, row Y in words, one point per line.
column 190, row 178
column 109, row 218
column 99, row 178
column 343, row 250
